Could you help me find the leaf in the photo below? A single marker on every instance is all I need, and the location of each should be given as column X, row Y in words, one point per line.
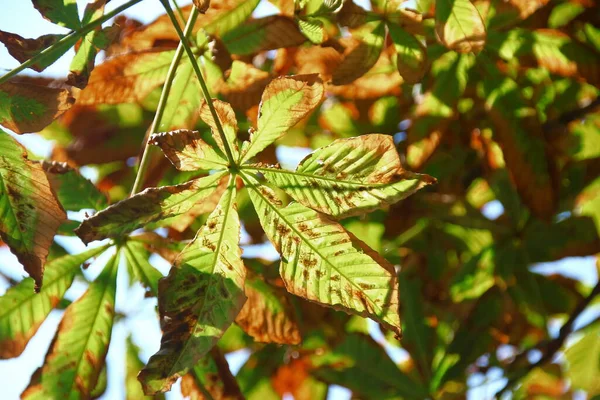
column 313, row 29
column 22, row 311
column 202, row 5
column 268, row 33
column 459, row 26
column 244, row 86
column 133, row 365
column 200, row 297
column 361, row 365
column 412, row 56
column 73, row 191
column 362, row 53
column 127, row 78
column 29, row 212
column 77, row 353
column 139, row 267
column 211, row 375
column 25, row 107
column 349, row 177
column 583, row 360
column 268, row 315
column 285, row 101
column 150, row 205
column 181, row 111
column 60, row 12
column 22, row 49
column 527, row 7
column 322, row 262
column 228, row 122
column 187, row 151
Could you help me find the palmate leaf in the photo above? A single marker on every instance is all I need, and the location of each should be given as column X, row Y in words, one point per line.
column 200, row 297
column 459, row 26
column 228, row 121
column 139, row 267
column 78, row 351
column 187, row 151
column 74, row 192
column 150, row 205
column 285, row 101
column 324, row 263
column 22, row 311
column 349, row 177
column 60, row 12
column 133, row 365
column 211, row 374
column 26, row 107
column 22, row 49
column 583, row 359
column 181, row 111
column 29, row 212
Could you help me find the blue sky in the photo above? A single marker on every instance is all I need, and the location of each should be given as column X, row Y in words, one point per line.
column 20, row 17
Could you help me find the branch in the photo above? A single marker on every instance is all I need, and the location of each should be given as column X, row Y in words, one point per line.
column 549, row 348
column 68, row 40
column 557, row 125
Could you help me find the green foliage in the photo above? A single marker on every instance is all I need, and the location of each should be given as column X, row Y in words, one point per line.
column 495, row 102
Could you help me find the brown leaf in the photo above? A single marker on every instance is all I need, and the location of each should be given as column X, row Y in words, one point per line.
column 268, row 315
column 29, row 107
column 202, row 5
column 268, row 33
column 23, row 49
column 228, row 121
column 527, row 7
column 187, row 151
column 244, row 86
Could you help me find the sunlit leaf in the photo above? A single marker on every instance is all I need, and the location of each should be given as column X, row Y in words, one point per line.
column 268, row 33
column 152, row 204
column 583, row 359
column 187, row 151
column 22, row 311
column 206, row 285
column 228, row 122
column 313, row 29
column 349, row 177
column 211, row 374
column 78, row 351
column 26, row 107
column 181, row 110
column 412, row 58
column 73, row 191
column 29, row 212
column 323, row 263
column 362, row 53
column 60, row 12
column 459, row 26
column 268, row 315
column 285, row 101
column 139, row 267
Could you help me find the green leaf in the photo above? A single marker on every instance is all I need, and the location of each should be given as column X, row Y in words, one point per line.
column 133, row 365
column 412, row 56
column 285, row 101
column 139, row 267
column 322, row 262
column 362, row 53
column 150, row 205
column 60, row 12
column 268, row 33
column 73, row 191
column 187, row 151
column 27, row 107
column 229, row 15
column 200, row 297
column 361, row 365
column 313, row 29
column 22, row 311
column 211, row 375
column 349, row 177
column 583, row 360
column 78, row 351
column 228, row 121
column 459, row 26
column 255, row 375
column 585, row 138
column 29, row 213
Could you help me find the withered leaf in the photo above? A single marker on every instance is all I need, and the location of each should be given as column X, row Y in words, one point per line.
column 22, row 49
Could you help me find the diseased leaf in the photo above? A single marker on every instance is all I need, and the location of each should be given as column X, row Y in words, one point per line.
column 127, row 78
column 361, row 365
column 211, row 374
column 583, row 359
column 285, row 101
column 187, row 151
column 22, row 311
column 361, row 54
column 459, row 26
column 139, row 267
column 29, row 212
column 323, row 263
column 268, row 315
column 200, row 297
column 349, row 177
column 412, row 57
column 22, row 49
column 152, row 204
column 60, row 12
column 25, row 107
column 73, row 191
column 78, row 351
column 268, row 33
column 228, row 122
